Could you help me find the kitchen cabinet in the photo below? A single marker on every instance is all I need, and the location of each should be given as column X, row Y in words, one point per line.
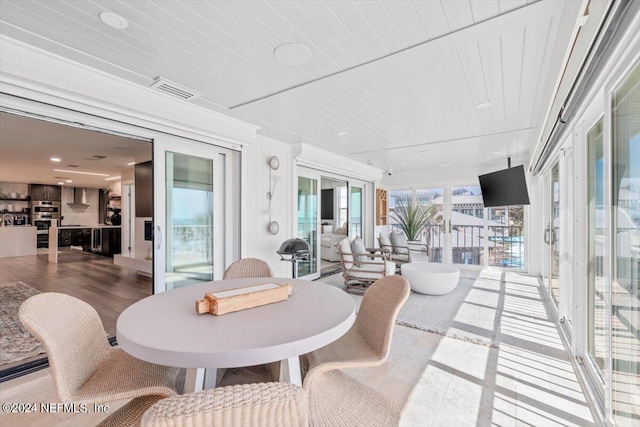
column 64, row 237
column 111, row 243
column 86, row 239
column 45, row 192
column 76, row 237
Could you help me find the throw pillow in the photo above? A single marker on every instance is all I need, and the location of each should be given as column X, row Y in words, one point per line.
column 357, row 246
column 384, row 240
column 345, row 249
column 341, row 230
column 399, row 239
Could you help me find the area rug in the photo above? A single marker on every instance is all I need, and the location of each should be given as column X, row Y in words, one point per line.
column 471, row 312
column 16, row 343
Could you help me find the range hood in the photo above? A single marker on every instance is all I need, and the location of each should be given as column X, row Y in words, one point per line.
column 80, row 196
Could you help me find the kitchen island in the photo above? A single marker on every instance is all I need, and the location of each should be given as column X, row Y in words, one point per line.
column 17, row 240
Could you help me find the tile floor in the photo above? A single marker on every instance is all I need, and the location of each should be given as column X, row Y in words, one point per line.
column 437, row 381
column 527, row 380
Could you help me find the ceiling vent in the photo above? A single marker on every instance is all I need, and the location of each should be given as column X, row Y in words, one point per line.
column 163, row 85
column 96, row 157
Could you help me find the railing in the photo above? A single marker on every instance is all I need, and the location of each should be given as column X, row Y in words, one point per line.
column 505, row 244
column 192, row 245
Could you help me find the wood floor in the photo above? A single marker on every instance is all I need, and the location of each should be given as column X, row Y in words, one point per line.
column 92, row 278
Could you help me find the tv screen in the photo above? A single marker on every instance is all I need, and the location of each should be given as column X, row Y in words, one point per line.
column 148, row 230
column 326, row 200
column 506, row 187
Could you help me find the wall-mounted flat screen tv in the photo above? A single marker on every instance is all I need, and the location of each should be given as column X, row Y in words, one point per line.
column 505, row 187
column 326, row 199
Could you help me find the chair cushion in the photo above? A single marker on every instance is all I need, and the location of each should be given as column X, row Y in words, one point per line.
column 373, row 271
column 358, row 247
column 341, row 230
column 345, row 249
column 399, row 239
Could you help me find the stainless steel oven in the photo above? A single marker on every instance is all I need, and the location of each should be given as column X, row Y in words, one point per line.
column 45, row 207
column 42, row 221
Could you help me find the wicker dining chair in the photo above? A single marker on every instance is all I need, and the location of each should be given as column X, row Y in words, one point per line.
column 368, row 341
column 247, row 268
column 338, row 400
column 130, row 415
column 85, row 368
column 256, row 405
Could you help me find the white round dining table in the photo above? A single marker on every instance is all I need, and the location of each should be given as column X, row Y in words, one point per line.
column 165, row 329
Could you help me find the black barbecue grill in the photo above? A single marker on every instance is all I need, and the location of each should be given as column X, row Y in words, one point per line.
column 293, row 250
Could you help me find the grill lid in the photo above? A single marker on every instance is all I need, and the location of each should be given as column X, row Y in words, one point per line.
column 294, row 247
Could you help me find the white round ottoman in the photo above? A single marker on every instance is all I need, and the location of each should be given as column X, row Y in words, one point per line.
column 431, row 278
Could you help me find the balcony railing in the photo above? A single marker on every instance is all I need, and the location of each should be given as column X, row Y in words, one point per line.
column 192, row 245
column 505, row 244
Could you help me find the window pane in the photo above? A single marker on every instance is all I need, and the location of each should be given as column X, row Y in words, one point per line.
column 596, row 291
column 356, row 212
column 467, row 226
column 405, row 197
column 625, row 288
column 555, row 233
column 189, row 257
column 433, row 235
column 506, row 236
column 307, row 222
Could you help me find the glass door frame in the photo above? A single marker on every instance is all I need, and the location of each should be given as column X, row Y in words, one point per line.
column 303, row 172
column 368, row 208
column 225, row 215
column 447, row 206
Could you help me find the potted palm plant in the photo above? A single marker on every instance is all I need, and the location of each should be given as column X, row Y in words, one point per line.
column 414, row 217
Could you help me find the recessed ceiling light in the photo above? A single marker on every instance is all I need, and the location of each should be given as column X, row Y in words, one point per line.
column 112, row 178
column 483, row 105
column 55, row 159
column 114, row 20
column 61, row 183
column 68, row 180
column 342, row 133
column 82, row 173
column 292, row 54
column 131, row 163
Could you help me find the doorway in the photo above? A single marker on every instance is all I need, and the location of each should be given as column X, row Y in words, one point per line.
column 460, row 230
column 336, row 222
column 80, row 172
column 330, row 208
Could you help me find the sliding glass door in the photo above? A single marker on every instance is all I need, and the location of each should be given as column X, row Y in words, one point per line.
column 191, row 200
column 597, row 335
column 460, row 230
column 625, row 245
column 356, row 205
column 309, row 222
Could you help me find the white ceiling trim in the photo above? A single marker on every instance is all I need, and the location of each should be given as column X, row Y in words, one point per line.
column 312, row 157
column 31, row 72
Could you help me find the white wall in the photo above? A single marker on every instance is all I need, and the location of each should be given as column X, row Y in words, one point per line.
column 256, row 240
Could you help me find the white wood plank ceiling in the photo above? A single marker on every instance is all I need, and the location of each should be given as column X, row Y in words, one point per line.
column 402, row 78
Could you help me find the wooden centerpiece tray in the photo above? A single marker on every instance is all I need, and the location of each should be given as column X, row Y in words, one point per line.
column 231, row 300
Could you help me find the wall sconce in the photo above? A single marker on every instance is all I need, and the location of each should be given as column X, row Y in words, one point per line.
column 274, row 164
